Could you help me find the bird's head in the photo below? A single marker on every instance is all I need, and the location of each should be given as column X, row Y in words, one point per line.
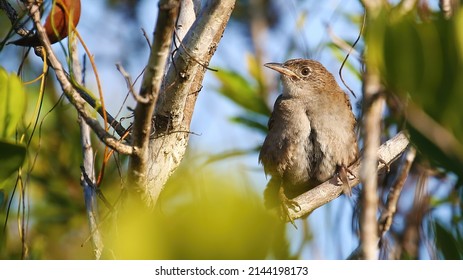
column 303, row 76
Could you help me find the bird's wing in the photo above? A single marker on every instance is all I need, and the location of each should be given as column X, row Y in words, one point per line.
column 271, row 120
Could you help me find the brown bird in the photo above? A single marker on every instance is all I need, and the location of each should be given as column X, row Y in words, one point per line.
column 56, row 24
column 311, row 133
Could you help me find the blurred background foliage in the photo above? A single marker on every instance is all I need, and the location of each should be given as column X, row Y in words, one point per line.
column 203, row 214
column 212, row 206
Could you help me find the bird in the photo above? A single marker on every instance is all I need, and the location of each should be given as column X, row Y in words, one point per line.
column 56, row 24
column 311, row 134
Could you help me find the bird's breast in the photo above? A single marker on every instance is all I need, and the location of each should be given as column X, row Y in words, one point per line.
column 286, row 148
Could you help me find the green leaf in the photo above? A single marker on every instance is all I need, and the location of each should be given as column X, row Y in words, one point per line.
column 251, row 123
column 255, row 70
column 423, row 62
column 241, row 92
column 2, row 198
column 231, row 154
column 11, row 158
column 447, row 244
column 12, row 103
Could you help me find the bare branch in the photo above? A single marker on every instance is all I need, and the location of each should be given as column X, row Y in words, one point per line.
column 330, row 190
column 386, row 217
column 448, row 7
column 188, row 11
column 412, row 237
column 129, row 83
column 13, row 17
column 87, row 179
column 146, row 37
column 373, row 104
column 385, row 220
column 177, row 99
column 71, row 94
column 151, row 84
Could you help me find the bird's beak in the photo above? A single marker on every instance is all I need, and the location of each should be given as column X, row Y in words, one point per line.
column 281, row 68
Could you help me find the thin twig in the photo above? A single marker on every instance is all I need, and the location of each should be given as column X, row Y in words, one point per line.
column 129, row 83
column 192, row 57
column 412, row 238
column 348, row 54
column 385, row 220
column 146, row 37
column 69, row 90
column 87, row 170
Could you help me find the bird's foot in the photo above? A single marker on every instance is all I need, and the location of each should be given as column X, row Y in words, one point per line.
column 388, row 167
column 287, row 203
column 344, row 175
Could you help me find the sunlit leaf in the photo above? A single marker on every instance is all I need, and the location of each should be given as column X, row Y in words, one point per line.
column 255, row 70
column 12, row 103
column 240, row 91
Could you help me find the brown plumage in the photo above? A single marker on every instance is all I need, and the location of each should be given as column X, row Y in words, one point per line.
column 311, row 133
column 56, row 24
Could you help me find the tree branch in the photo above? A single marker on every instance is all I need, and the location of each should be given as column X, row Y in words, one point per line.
column 373, row 104
column 177, row 98
column 71, row 94
column 385, row 220
column 13, row 17
column 448, row 7
column 387, row 215
column 330, row 190
column 87, row 179
column 151, row 84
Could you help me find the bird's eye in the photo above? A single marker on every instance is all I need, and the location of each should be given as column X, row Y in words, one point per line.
column 305, row 71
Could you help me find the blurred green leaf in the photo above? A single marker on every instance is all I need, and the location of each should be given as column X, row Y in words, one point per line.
column 11, row 158
column 231, row 154
column 216, row 217
column 423, row 61
column 449, row 245
column 2, row 198
column 255, row 70
column 450, row 162
column 240, row 91
column 251, row 122
column 12, row 103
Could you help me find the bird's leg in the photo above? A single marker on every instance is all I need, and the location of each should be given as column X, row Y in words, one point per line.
column 342, row 173
column 285, row 204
